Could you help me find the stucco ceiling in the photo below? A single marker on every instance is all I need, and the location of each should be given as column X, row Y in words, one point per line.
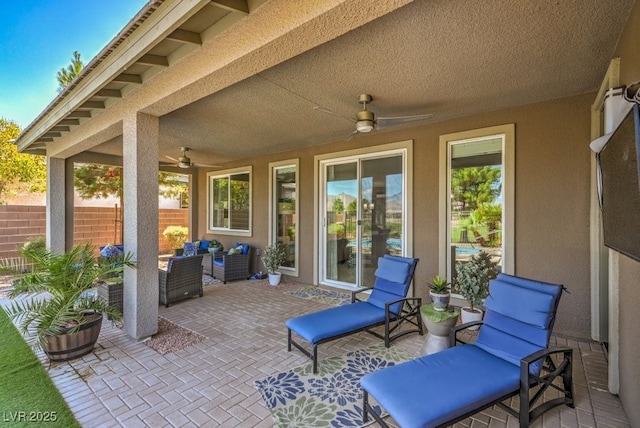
column 439, row 57
column 450, row 58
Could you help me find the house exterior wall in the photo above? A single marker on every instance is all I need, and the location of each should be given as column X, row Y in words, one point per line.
column 552, row 197
column 629, row 316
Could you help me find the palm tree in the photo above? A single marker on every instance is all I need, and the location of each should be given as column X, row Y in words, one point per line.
column 66, row 75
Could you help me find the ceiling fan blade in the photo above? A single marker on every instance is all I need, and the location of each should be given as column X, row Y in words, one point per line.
column 352, row 135
column 387, row 122
column 204, row 165
column 332, row 113
column 170, row 158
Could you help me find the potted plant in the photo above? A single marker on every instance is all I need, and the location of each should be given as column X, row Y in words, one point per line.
column 215, row 246
column 273, row 257
column 63, row 310
column 439, row 293
column 472, row 282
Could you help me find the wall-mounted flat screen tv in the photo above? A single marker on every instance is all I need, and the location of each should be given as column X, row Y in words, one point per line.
column 620, row 186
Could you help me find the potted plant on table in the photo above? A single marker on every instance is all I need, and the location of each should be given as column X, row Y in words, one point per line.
column 273, row 257
column 61, row 307
column 472, row 282
column 440, row 293
column 215, row 246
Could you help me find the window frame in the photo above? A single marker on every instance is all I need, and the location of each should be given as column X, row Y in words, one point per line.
column 228, row 173
column 273, row 218
column 506, row 131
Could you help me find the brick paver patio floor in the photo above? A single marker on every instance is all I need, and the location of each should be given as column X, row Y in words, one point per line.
column 124, row 383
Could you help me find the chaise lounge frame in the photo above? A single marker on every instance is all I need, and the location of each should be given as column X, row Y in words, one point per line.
column 556, row 363
column 409, row 313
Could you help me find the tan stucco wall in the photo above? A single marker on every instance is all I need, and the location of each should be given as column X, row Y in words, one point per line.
column 552, row 197
column 629, row 315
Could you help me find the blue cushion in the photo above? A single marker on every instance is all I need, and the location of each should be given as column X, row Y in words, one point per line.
column 393, row 278
column 332, row 322
column 170, row 262
column 392, row 270
column 204, row 245
column 529, row 306
column 244, row 248
column 189, row 249
column 427, row 391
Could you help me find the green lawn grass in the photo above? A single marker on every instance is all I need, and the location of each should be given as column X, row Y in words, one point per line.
column 28, row 397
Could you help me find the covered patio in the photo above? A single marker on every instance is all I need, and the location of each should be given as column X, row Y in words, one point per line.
column 260, row 87
column 211, row 383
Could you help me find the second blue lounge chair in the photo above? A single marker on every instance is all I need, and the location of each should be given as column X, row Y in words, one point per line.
column 387, row 305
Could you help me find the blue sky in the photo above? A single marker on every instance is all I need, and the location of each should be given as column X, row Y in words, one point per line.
column 37, row 38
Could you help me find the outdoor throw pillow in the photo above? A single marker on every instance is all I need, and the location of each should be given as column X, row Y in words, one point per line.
column 110, row 250
column 189, row 249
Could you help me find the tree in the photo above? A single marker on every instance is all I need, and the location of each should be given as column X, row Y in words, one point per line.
column 475, row 186
column 66, row 75
column 338, row 205
column 103, row 181
column 19, row 172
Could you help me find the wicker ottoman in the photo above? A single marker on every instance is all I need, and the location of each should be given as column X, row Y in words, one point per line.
column 111, row 291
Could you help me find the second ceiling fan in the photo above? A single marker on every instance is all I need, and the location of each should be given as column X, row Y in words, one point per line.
column 366, row 120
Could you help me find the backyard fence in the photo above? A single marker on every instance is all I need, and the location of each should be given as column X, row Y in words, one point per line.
column 97, row 225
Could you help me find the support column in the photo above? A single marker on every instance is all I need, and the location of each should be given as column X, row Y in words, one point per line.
column 140, row 162
column 56, row 207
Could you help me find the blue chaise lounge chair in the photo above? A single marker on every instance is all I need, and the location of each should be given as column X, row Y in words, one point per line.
column 387, row 305
column 509, row 357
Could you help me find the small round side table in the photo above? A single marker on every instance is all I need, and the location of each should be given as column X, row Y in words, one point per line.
column 439, row 324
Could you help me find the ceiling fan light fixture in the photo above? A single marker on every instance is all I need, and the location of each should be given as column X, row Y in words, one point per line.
column 184, row 162
column 364, row 126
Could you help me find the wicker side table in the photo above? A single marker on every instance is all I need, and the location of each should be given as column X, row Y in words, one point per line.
column 111, row 291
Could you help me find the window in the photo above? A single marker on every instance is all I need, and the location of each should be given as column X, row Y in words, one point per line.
column 284, row 211
column 477, row 197
column 229, row 202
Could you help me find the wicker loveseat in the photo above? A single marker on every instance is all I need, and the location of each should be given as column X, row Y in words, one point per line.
column 227, row 267
column 181, row 280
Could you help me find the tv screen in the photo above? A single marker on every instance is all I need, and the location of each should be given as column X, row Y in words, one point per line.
column 620, row 186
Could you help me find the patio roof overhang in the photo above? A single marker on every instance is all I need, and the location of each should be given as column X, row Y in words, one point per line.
column 233, row 79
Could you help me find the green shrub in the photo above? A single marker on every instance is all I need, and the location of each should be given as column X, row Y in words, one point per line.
column 176, row 236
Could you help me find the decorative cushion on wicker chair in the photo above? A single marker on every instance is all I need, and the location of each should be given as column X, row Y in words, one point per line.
column 181, row 280
column 231, row 265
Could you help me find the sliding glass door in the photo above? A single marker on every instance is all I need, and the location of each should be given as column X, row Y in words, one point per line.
column 363, row 209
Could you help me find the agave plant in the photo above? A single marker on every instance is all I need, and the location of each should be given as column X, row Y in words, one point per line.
column 59, row 291
column 439, row 285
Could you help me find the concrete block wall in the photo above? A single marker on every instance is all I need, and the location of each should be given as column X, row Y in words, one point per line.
column 17, row 224
column 91, row 224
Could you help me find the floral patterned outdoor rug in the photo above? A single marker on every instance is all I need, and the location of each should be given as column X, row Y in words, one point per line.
column 331, row 398
column 329, row 297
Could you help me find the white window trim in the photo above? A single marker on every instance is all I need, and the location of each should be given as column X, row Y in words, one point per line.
column 224, row 173
column 508, row 131
column 272, row 208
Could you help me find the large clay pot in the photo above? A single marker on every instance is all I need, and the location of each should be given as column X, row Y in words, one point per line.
column 65, row 347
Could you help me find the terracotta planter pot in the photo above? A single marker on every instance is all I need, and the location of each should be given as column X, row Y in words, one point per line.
column 65, row 347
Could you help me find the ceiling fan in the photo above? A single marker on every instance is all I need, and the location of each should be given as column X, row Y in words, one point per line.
column 184, row 161
column 366, row 121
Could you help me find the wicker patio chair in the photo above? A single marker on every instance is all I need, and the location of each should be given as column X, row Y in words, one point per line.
column 227, row 267
column 181, row 280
